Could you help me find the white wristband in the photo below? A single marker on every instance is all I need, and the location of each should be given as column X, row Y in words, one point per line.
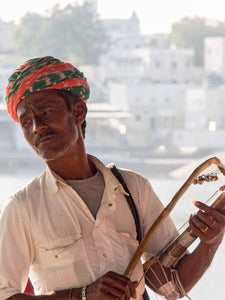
column 83, row 293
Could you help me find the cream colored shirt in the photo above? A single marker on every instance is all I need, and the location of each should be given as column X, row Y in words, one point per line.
column 48, row 233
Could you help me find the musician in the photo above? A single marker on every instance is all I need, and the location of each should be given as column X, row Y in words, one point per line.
column 71, row 230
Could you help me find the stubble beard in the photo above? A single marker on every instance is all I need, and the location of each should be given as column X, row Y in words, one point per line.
column 50, row 155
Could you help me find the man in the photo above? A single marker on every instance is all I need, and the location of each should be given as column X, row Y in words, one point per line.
column 71, row 230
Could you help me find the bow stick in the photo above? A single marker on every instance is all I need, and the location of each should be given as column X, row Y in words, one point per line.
column 140, row 250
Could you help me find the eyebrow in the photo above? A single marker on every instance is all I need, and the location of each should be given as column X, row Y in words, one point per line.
column 22, row 116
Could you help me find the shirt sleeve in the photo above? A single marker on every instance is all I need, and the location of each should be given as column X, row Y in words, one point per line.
column 15, row 249
column 149, row 207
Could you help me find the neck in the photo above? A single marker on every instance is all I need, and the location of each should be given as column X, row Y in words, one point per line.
column 73, row 167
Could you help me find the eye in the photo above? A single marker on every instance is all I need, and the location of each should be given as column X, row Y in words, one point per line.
column 25, row 123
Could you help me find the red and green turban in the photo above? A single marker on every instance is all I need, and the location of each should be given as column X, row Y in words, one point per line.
column 43, row 73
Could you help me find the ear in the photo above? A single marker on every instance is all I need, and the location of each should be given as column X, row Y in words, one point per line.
column 79, row 110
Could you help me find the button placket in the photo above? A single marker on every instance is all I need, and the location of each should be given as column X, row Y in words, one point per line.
column 111, row 202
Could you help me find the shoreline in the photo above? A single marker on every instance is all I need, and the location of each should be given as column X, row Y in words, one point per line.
column 28, row 162
column 144, row 162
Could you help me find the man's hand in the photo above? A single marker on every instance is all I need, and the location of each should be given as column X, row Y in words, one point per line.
column 208, row 224
column 112, row 286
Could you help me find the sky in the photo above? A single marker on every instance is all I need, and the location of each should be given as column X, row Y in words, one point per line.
column 156, row 16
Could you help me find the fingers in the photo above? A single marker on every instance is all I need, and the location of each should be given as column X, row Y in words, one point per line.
column 112, row 286
column 206, row 218
column 120, row 286
column 208, row 224
column 209, row 210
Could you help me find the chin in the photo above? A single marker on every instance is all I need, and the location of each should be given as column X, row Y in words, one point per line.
column 47, row 155
column 52, row 156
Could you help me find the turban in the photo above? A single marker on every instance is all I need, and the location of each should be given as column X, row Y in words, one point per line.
column 43, row 73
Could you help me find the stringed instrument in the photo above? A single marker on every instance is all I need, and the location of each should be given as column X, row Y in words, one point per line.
column 157, row 277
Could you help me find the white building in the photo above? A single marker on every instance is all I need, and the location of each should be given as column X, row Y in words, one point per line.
column 157, row 110
column 106, row 126
column 167, row 65
column 204, row 125
column 6, row 42
column 214, row 56
column 169, row 100
column 125, row 29
column 150, row 83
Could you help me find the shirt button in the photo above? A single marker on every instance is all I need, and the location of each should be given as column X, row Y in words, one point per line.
column 56, row 256
column 104, row 254
column 110, row 204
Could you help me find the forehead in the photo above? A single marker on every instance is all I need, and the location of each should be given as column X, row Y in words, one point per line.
column 39, row 100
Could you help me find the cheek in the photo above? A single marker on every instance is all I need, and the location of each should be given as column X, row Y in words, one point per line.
column 68, row 127
column 70, row 134
column 27, row 135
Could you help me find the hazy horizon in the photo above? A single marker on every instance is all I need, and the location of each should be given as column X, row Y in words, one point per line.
column 154, row 16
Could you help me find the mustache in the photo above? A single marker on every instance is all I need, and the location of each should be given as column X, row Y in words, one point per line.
column 38, row 137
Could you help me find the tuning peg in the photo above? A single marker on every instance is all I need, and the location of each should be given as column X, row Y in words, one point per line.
column 209, row 177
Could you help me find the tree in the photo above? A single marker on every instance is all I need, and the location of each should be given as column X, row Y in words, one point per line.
column 191, row 32
column 72, row 33
column 28, row 34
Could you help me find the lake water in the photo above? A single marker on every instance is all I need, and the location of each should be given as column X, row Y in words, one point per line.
column 210, row 287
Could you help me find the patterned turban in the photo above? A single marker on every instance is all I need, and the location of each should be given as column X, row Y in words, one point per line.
column 43, row 73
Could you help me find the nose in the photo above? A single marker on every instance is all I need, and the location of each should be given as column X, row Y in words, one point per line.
column 38, row 125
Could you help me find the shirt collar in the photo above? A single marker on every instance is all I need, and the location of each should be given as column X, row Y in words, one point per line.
column 107, row 174
column 54, row 180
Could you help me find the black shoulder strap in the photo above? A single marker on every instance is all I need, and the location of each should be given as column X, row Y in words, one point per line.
column 133, row 209
column 130, row 201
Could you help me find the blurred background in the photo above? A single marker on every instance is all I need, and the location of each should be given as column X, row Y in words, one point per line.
column 157, row 75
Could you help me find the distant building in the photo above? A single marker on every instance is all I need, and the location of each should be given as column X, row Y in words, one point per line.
column 5, row 72
column 122, row 28
column 214, row 56
column 157, row 110
column 157, row 40
column 204, row 121
column 6, row 42
column 145, row 92
column 147, row 78
column 106, row 127
column 167, row 65
column 9, row 58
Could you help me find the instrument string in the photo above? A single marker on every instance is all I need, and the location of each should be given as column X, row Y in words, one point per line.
column 168, row 209
column 149, row 266
column 186, row 222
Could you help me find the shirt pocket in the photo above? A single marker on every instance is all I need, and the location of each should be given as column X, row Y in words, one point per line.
column 61, row 251
column 129, row 246
column 128, row 242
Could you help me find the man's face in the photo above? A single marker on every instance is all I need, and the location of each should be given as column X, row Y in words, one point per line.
column 48, row 125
